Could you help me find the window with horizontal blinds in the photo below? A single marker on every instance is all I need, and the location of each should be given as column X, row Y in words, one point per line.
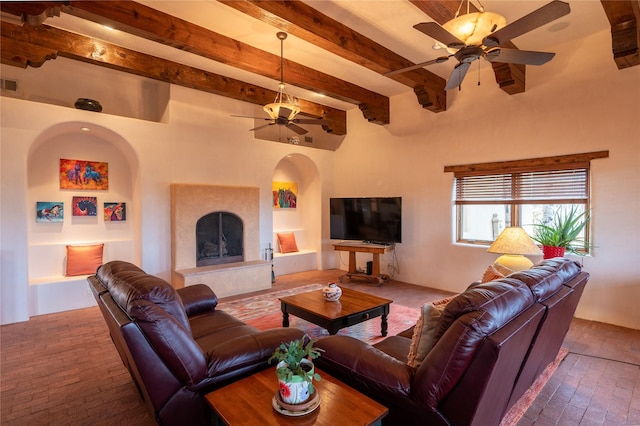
column 540, row 186
column 489, row 197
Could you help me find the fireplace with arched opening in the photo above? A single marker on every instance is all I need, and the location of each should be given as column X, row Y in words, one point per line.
column 219, row 239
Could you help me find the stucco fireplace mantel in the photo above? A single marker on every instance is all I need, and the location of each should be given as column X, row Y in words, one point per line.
column 190, row 202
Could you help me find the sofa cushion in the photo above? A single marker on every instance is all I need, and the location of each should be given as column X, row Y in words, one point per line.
column 490, row 274
column 500, row 300
column 424, row 332
column 130, row 284
column 287, row 242
column 565, row 268
column 495, row 271
column 171, row 341
column 547, row 277
column 83, row 260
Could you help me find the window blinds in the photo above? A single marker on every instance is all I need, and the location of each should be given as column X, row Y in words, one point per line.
column 570, row 185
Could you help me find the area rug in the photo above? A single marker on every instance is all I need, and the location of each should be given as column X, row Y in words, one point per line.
column 263, row 312
column 516, row 412
column 256, row 306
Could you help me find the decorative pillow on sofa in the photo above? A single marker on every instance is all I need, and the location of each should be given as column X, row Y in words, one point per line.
column 287, row 242
column 83, row 260
column 491, row 274
column 494, row 272
column 425, row 330
column 503, row 269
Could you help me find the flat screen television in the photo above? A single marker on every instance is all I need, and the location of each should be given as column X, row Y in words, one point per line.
column 368, row 219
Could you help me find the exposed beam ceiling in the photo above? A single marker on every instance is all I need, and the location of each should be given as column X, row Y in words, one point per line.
column 307, row 23
column 625, row 31
column 359, row 33
column 43, row 42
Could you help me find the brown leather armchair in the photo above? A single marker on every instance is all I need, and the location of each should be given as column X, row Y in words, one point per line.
column 176, row 345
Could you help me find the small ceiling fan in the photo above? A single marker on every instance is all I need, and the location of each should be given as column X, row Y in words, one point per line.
column 474, row 35
column 284, row 108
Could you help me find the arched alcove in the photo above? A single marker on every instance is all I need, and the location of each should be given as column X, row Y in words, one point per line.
column 50, row 290
column 305, row 220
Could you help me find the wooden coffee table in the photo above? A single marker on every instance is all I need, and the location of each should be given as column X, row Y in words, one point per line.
column 249, row 402
column 353, row 308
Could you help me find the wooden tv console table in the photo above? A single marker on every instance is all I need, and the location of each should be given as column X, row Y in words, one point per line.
column 375, row 249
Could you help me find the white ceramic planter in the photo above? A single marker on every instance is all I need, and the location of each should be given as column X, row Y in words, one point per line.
column 295, row 391
column 332, row 292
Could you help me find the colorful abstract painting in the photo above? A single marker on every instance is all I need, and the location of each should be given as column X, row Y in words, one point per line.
column 285, row 195
column 82, row 174
column 85, row 206
column 50, row 211
column 115, row 212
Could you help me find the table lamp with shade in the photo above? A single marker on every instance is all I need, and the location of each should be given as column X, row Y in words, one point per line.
column 513, row 243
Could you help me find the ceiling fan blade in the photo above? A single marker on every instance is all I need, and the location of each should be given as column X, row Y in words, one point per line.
column 457, row 75
column 516, row 56
column 261, row 127
column 438, row 33
column 537, row 18
column 299, row 130
column 310, row 121
column 420, row 65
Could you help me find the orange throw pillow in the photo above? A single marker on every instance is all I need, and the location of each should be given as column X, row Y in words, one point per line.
column 83, row 260
column 287, row 242
column 491, row 274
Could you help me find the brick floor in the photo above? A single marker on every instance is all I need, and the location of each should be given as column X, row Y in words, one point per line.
column 62, row 369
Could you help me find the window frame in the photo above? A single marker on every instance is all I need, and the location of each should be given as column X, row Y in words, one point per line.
column 545, row 167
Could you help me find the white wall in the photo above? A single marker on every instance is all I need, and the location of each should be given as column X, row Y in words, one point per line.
column 576, row 103
column 199, row 143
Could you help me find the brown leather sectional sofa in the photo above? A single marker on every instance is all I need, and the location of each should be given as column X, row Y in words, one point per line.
column 176, row 345
column 493, row 341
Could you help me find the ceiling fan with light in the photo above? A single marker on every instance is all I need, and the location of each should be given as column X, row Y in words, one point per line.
column 474, row 35
column 284, row 109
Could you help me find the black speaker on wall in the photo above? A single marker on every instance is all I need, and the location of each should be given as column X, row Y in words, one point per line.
column 369, row 267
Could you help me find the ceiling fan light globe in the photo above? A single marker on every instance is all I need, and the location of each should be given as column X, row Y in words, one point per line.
column 273, row 109
column 471, row 28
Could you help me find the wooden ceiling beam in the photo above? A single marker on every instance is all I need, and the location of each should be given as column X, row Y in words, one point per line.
column 28, row 45
column 305, row 22
column 625, row 31
column 149, row 23
column 510, row 77
column 23, row 55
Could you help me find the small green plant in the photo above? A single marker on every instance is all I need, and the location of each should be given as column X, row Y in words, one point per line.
column 292, row 355
column 563, row 230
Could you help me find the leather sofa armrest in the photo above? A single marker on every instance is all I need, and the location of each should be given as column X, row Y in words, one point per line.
column 346, row 356
column 197, row 299
column 248, row 350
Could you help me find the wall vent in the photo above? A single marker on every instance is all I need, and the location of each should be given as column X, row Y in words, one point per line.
column 308, row 139
column 9, row 85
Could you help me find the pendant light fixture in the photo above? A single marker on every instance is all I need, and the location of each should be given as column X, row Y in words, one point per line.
column 473, row 27
column 284, row 106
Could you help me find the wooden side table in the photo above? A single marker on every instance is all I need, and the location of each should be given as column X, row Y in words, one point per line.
column 248, row 402
column 375, row 249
